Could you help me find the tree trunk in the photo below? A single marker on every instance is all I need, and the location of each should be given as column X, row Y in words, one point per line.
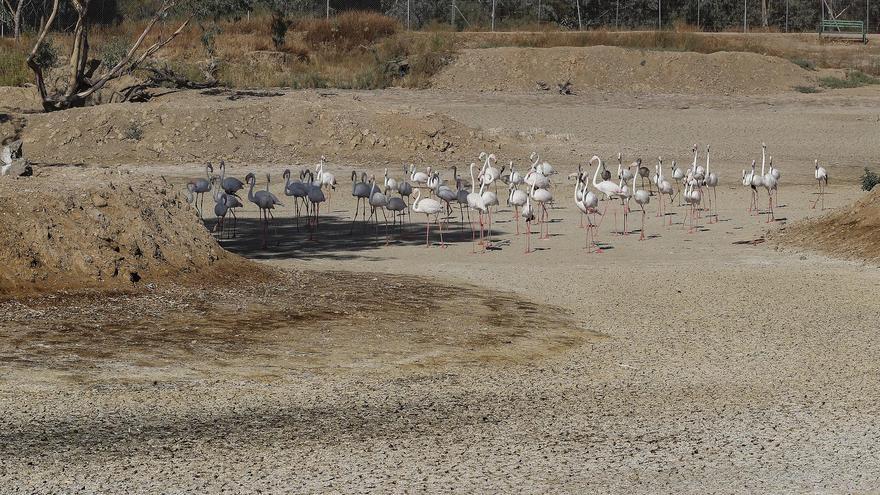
column 16, row 20
column 764, row 13
column 80, row 83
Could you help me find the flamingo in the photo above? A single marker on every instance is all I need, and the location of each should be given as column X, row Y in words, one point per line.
column 769, row 182
column 461, row 194
column 821, row 176
column 378, row 201
column 264, row 200
column 296, row 190
column 315, row 196
column 429, row 207
column 693, row 195
column 475, row 202
column 405, row 189
column 490, row 199
column 642, row 198
column 445, row 193
column 517, row 199
column 390, row 183
column 395, row 205
column 643, row 172
column 711, row 181
column 606, row 187
column 664, row 187
column 361, row 191
column 528, row 213
column 543, row 196
column 753, row 180
column 677, row 178
column 230, row 185
column 201, row 186
column 587, row 202
column 490, row 173
column 326, row 179
column 419, row 178
column 514, row 178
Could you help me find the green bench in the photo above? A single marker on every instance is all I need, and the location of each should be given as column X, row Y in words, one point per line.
column 833, row 27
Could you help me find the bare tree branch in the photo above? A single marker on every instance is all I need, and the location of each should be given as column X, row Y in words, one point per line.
column 38, row 71
column 117, row 70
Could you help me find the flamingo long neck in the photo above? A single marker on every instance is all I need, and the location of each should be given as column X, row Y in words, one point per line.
column 222, row 171
column 634, row 183
column 418, row 198
column 694, row 165
column 763, row 158
column 472, row 178
column 596, row 174
column 707, row 161
column 208, row 171
column 253, row 182
column 286, row 181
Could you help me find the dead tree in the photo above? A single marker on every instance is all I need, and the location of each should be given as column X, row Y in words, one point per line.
column 82, row 82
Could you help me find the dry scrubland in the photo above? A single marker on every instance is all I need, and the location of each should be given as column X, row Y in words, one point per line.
column 139, row 354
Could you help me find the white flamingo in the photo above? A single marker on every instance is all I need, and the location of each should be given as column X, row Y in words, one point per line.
column 528, row 214
column 821, row 176
column 587, row 202
column 517, row 199
column 543, row 196
column 642, row 198
column 429, row 207
column 711, row 182
column 475, row 202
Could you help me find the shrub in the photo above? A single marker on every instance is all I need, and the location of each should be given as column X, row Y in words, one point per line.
column 47, row 55
column 804, row 63
column 113, row 51
column 133, row 132
column 869, row 180
column 853, row 79
column 348, row 30
column 279, row 28
column 807, row 89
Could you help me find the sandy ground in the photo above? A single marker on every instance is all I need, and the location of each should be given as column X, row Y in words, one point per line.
column 687, row 363
column 719, row 365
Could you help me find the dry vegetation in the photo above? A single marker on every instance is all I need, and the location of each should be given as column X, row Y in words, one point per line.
column 365, row 50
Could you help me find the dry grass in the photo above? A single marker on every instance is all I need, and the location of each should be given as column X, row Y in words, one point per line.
column 353, row 50
column 348, row 31
column 13, row 69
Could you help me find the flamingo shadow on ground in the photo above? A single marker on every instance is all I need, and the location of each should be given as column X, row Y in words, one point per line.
column 335, row 238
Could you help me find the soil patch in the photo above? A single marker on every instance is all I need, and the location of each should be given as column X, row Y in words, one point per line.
column 78, row 227
column 622, row 70
column 851, row 232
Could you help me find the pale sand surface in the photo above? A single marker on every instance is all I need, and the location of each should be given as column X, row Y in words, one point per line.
column 691, row 363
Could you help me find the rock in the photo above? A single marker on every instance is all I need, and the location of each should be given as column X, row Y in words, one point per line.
column 98, row 201
column 20, row 168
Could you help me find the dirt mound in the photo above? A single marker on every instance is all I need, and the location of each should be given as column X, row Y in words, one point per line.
column 251, row 127
column 852, row 232
column 69, row 228
column 613, row 69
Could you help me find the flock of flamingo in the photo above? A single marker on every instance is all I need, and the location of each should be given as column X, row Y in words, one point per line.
column 529, row 193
